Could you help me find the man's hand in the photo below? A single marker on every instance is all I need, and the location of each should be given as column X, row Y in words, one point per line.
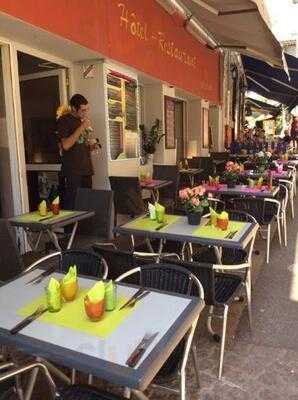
column 86, row 123
column 68, row 142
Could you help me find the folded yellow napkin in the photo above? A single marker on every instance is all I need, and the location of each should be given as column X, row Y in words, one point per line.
column 56, row 200
column 71, row 275
column 251, row 183
column 97, row 292
column 223, row 215
column 42, row 208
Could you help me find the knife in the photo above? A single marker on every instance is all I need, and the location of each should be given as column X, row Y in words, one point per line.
column 135, row 296
column 141, row 296
column 45, row 218
column 41, row 276
column 32, row 317
column 161, row 226
column 138, row 352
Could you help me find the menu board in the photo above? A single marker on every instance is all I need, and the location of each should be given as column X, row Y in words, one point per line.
column 131, row 106
column 123, row 116
column 169, row 111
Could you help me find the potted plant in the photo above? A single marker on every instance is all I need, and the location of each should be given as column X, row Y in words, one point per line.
column 263, row 160
column 231, row 173
column 194, row 201
column 150, row 139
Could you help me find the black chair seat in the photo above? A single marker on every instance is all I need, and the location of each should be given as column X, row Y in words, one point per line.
column 84, row 392
column 225, row 287
column 229, row 256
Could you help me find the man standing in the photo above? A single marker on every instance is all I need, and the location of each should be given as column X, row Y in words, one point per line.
column 72, row 131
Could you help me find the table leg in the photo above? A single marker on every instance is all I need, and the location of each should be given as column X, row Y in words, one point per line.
column 33, row 245
column 155, row 195
column 74, row 229
column 139, row 395
column 192, row 180
column 54, row 239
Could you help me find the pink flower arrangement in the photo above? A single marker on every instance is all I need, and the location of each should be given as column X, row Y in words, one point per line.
column 194, row 200
column 232, row 171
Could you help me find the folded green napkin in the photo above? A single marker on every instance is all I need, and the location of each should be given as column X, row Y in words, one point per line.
column 251, row 183
column 53, row 292
column 152, row 212
column 71, row 275
column 160, row 212
column 223, row 215
column 97, row 292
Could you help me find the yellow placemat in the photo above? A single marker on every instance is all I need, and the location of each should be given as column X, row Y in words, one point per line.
column 36, row 217
column 145, row 223
column 212, row 232
column 73, row 316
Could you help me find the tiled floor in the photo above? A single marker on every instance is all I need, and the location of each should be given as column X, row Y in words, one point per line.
column 258, row 366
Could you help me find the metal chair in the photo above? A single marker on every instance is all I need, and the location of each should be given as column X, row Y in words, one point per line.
column 221, row 289
column 168, row 195
column 289, row 183
column 11, row 377
column 283, row 196
column 127, row 196
column 265, row 211
column 176, row 279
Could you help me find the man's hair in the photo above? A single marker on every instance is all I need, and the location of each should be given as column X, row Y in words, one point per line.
column 77, row 100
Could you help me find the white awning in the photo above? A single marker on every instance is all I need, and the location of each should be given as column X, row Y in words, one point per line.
column 240, row 25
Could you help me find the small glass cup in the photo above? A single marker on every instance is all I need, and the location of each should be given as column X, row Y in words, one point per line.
column 94, row 311
column 223, row 223
column 54, row 301
column 111, row 298
column 160, row 215
column 55, row 208
column 69, row 290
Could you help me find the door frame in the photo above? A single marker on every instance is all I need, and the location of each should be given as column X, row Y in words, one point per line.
column 60, row 72
column 15, row 47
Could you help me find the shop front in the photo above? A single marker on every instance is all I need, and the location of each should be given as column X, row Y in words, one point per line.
column 133, row 61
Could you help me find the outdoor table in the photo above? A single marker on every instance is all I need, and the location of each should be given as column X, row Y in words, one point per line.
column 176, row 228
column 274, row 174
column 154, row 185
column 33, row 222
column 191, row 173
column 242, row 190
column 98, row 348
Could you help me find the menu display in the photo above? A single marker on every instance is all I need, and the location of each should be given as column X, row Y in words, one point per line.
column 169, row 110
column 123, row 116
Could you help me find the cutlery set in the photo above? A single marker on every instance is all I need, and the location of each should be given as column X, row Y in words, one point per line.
column 32, row 317
column 231, row 235
column 140, row 294
column 138, row 352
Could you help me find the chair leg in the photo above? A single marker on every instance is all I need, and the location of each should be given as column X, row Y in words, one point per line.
column 127, row 393
column 209, row 325
column 285, row 229
column 292, row 206
column 248, row 295
column 223, row 340
column 279, row 230
column 196, row 363
column 182, row 386
column 268, row 243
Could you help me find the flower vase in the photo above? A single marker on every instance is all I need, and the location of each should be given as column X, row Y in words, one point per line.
column 231, row 184
column 194, row 218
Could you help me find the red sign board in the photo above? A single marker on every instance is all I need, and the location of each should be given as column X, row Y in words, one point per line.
column 137, row 33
